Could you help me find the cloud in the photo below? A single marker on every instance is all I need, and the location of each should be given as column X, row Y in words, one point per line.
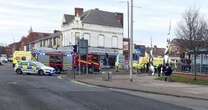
column 16, row 16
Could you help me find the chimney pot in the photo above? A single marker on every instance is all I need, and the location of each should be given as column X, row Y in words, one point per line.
column 119, row 17
column 79, row 11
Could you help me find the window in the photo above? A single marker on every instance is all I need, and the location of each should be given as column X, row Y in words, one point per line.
column 41, row 43
column 101, row 40
column 56, row 59
column 87, row 37
column 50, row 43
column 32, row 64
column 44, row 43
column 77, row 37
column 114, row 41
column 54, row 41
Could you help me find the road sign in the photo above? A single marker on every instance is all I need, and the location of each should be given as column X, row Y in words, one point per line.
column 83, row 47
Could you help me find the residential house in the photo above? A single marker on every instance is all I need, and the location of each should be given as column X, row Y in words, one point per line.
column 34, row 36
column 176, row 50
column 11, row 48
column 157, row 52
column 50, row 41
column 102, row 29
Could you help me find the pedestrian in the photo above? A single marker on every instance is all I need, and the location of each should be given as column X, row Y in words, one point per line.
column 159, row 68
column 147, row 67
column 168, row 72
column 152, row 69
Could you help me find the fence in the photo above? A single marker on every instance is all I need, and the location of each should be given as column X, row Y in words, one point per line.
column 200, row 68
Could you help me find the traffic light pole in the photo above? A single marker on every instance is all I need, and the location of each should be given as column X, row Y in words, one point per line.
column 79, row 65
column 87, row 64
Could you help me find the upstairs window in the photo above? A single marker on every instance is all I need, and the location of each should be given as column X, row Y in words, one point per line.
column 115, row 42
column 101, row 40
column 54, row 41
column 77, row 37
column 87, row 37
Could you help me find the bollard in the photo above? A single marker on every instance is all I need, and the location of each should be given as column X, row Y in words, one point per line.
column 109, row 76
column 104, row 76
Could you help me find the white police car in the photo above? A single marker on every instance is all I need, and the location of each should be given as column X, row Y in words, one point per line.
column 33, row 68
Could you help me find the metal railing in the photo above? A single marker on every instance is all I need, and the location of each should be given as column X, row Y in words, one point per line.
column 200, row 68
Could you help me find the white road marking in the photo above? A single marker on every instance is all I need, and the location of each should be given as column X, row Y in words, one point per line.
column 83, row 84
column 12, row 83
column 60, row 77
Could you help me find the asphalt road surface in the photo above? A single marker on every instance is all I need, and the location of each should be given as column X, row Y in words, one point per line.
column 33, row 92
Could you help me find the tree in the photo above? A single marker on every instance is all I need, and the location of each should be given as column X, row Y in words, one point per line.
column 192, row 32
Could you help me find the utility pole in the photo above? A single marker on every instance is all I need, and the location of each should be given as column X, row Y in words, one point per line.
column 131, row 44
column 128, row 29
column 151, row 42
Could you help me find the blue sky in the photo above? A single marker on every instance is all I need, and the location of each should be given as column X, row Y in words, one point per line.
column 151, row 20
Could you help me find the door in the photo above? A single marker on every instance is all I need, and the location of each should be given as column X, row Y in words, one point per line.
column 32, row 68
column 24, row 67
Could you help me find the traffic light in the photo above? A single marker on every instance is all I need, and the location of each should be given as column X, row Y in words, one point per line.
column 75, row 48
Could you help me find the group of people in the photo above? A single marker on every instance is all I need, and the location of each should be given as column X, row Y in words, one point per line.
column 164, row 70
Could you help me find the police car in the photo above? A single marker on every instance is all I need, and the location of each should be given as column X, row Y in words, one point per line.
column 33, row 68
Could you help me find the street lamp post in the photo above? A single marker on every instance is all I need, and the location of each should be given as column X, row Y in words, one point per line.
column 131, row 44
column 128, row 29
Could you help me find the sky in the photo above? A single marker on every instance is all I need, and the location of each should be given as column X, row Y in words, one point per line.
column 151, row 17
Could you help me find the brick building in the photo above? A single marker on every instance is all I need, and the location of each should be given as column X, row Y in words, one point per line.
column 27, row 43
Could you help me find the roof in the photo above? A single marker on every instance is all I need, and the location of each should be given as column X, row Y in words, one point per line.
column 96, row 16
column 156, row 51
column 100, row 17
column 33, row 36
column 53, row 35
column 68, row 18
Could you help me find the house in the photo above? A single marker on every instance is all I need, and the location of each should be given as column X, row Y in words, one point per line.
column 11, row 48
column 22, row 44
column 176, row 49
column 157, row 52
column 33, row 36
column 102, row 29
column 50, row 41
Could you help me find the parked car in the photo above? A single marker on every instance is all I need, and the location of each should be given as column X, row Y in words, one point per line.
column 33, row 67
column 3, row 60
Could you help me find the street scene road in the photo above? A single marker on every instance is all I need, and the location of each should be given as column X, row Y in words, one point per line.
column 103, row 55
column 33, row 92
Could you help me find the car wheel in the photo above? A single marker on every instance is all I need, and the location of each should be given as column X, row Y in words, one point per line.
column 19, row 71
column 41, row 72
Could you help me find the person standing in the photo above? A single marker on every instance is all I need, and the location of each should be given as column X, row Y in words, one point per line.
column 168, row 72
column 159, row 68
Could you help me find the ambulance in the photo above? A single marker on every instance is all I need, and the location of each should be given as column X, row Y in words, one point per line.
column 21, row 56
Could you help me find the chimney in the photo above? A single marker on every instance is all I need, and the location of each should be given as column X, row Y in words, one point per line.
column 119, row 17
column 79, row 11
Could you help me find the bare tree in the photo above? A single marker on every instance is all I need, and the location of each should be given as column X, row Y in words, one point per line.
column 192, row 32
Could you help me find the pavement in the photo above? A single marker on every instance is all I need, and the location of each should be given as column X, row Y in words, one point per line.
column 148, row 84
column 34, row 92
